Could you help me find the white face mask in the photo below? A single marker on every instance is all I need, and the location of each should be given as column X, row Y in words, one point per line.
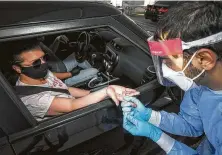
column 179, row 78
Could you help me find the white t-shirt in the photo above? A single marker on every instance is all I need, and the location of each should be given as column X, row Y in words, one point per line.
column 38, row 104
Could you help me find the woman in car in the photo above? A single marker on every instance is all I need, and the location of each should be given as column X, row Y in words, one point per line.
column 30, row 64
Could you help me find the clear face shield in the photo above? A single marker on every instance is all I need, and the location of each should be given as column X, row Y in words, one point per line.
column 169, row 54
column 161, row 52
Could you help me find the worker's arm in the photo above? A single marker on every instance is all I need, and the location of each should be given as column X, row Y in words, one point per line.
column 186, row 123
column 139, row 127
column 182, row 149
column 174, row 147
column 180, row 124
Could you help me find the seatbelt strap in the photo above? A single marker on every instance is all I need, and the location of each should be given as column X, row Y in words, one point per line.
column 23, row 91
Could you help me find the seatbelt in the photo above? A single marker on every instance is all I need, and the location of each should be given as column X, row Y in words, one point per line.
column 23, row 91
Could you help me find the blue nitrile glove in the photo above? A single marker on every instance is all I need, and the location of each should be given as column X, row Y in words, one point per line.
column 134, row 107
column 141, row 128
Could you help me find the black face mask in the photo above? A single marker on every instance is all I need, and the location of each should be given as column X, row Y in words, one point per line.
column 36, row 72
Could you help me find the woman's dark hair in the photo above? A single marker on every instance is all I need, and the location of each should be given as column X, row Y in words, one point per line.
column 192, row 21
column 18, row 47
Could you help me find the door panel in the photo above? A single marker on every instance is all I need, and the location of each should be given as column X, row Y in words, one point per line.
column 70, row 133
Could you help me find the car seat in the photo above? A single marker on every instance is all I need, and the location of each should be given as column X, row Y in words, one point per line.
column 55, row 64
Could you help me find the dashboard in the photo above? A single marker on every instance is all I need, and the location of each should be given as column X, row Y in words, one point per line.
column 112, row 55
column 121, row 58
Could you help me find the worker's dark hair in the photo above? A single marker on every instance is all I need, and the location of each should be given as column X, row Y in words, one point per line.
column 191, row 21
column 19, row 47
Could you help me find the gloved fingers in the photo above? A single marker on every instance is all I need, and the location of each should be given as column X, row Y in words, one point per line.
column 125, row 113
column 124, row 118
column 128, row 98
column 126, row 104
column 132, row 99
column 126, row 121
column 136, row 114
column 132, row 113
column 131, row 128
column 127, row 109
column 75, row 71
column 132, row 119
column 136, row 103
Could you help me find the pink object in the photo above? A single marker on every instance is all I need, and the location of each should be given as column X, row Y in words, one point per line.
column 167, row 47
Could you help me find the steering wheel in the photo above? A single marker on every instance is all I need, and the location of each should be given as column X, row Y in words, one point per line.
column 83, row 46
column 86, row 39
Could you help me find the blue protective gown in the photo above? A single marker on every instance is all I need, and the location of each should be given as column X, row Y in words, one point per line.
column 200, row 112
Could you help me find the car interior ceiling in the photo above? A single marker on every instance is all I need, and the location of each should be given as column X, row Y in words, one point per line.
column 116, row 58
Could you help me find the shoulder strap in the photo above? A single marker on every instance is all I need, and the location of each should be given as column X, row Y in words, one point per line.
column 22, row 91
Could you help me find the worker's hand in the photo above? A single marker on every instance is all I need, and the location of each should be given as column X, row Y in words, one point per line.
column 141, row 128
column 117, row 93
column 134, row 107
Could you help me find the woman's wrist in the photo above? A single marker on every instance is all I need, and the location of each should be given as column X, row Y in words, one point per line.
column 107, row 90
column 87, row 92
column 69, row 74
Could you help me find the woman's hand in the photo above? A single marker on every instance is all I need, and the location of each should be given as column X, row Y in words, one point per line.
column 116, row 93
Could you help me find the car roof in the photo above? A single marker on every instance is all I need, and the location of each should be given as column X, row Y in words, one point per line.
column 15, row 13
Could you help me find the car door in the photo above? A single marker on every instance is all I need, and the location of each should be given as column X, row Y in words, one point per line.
column 13, row 117
column 63, row 132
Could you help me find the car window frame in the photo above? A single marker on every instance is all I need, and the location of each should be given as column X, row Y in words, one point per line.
column 12, row 33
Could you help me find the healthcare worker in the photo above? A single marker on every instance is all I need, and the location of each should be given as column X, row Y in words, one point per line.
column 189, row 41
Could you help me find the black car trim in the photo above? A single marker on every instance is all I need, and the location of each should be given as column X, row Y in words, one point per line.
column 29, row 12
column 132, row 26
column 56, row 27
column 60, row 120
column 9, row 90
